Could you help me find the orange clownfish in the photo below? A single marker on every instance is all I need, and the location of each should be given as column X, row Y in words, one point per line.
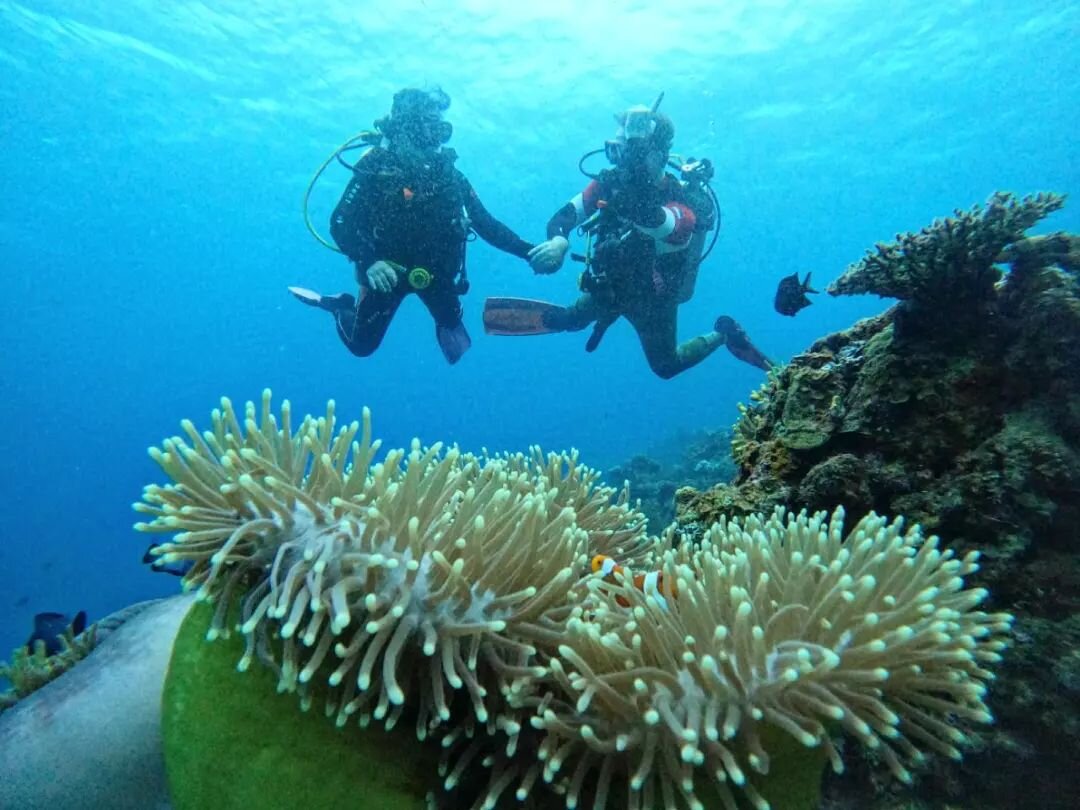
column 651, row 583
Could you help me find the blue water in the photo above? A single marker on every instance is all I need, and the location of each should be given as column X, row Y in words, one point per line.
column 154, row 157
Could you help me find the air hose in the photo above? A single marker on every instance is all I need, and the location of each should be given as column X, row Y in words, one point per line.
column 367, row 137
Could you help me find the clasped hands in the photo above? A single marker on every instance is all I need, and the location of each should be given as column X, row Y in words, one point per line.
column 548, row 256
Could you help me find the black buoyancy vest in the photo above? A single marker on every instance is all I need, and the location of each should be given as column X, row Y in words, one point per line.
column 418, row 213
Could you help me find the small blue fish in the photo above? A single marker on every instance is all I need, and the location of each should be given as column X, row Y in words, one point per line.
column 791, row 294
column 49, row 628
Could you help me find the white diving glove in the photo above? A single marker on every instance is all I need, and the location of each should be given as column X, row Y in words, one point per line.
column 547, row 257
column 382, row 277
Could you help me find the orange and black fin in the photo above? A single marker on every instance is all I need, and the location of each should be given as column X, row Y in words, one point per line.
column 519, row 316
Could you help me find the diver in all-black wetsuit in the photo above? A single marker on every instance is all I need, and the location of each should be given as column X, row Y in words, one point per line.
column 403, row 221
column 648, row 244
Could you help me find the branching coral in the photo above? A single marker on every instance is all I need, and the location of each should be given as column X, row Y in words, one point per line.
column 770, row 625
column 395, row 581
column 1036, row 252
column 950, row 259
column 29, row 671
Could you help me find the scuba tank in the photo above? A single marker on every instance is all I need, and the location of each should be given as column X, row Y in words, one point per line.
column 701, row 199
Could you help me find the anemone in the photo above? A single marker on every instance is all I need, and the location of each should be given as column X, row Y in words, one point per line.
column 770, row 629
column 406, row 581
column 457, row 588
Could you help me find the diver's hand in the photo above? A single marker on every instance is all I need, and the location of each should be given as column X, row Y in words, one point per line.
column 547, row 257
column 382, row 276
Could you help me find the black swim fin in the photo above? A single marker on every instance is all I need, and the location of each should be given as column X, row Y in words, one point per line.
column 453, row 340
column 599, row 330
column 519, row 316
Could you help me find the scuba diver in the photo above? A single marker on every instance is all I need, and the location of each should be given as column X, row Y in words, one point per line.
column 646, row 230
column 403, row 221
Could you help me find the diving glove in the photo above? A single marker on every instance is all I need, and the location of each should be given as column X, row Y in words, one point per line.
column 382, row 276
column 547, row 257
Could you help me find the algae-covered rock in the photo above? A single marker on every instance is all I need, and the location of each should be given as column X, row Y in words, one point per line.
column 699, row 459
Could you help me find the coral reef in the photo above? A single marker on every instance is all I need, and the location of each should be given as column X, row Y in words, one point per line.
column 29, row 671
column 454, row 594
column 951, row 259
column 960, row 408
column 697, row 459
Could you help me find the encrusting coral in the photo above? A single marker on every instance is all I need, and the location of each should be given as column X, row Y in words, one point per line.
column 407, row 585
column 962, row 413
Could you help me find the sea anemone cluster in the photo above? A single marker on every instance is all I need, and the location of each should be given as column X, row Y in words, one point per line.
column 775, row 625
column 461, row 592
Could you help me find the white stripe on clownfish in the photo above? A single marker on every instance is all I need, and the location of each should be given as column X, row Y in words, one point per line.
column 650, row 584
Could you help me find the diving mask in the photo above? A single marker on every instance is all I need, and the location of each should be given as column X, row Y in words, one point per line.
column 637, row 122
column 628, row 153
column 427, row 132
column 636, row 126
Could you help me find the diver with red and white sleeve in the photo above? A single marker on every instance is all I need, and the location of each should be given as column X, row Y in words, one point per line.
column 646, row 231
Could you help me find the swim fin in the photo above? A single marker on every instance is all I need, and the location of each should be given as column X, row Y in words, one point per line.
column 738, row 343
column 453, row 340
column 331, row 303
column 599, row 330
column 519, row 316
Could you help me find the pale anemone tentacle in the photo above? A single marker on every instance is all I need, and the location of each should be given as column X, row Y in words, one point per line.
column 774, row 625
column 456, row 589
column 431, row 573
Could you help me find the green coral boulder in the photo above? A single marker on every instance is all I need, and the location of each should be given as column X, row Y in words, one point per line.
column 232, row 741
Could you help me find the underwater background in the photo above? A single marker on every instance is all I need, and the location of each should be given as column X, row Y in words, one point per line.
column 155, row 156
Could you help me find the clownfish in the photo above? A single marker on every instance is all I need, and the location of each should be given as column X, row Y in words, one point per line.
column 651, row 584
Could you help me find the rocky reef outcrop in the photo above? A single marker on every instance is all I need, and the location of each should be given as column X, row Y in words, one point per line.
column 959, row 407
column 700, row 460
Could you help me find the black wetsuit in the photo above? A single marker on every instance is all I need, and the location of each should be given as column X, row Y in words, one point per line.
column 644, row 266
column 413, row 216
